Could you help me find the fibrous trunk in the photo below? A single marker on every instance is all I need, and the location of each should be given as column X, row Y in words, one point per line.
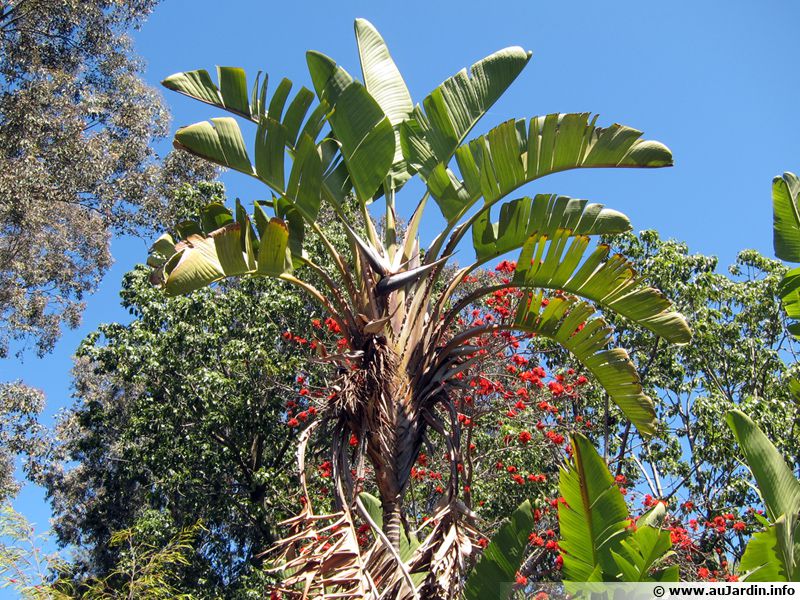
column 383, row 413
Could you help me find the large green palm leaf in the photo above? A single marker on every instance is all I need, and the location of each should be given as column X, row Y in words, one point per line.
column 641, row 552
column 594, row 520
column 786, row 217
column 359, row 124
column 222, row 246
column 779, row 488
column 544, row 214
column 385, row 83
column 559, row 262
column 774, row 554
column 220, row 140
column 786, row 240
column 494, row 574
column 451, row 110
column 597, row 542
column 573, row 324
column 516, row 152
column 231, row 92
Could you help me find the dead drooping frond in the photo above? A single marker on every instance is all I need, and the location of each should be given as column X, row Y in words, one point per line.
column 321, row 557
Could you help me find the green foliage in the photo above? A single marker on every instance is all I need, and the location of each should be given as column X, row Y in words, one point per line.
column 597, row 542
column 144, row 570
column 772, row 555
column 594, row 519
column 737, row 359
column 24, row 567
column 180, row 415
column 182, row 411
column 786, row 240
column 21, row 433
column 641, row 551
column 78, row 158
column 544, row 214
column 779, row 488
column 494, row 576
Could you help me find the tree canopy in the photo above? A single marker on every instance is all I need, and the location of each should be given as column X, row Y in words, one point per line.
column 77, row 132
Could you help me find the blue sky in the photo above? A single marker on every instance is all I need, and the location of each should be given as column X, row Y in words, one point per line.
column 715, row 81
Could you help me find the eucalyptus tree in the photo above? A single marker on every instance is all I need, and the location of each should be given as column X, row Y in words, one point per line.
column 396, row 303
column 77, row 158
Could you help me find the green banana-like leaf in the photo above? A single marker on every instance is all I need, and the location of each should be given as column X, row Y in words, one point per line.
column 571, row 323
column 779, row 488
column 544, row 214
column 515, row 153
column 231, row 94
column 594, row 521
column 786, row 241
column 222, row 247
column 408, row 544
column 358, row 122
column 786, row 217
column 774, row 554
column 384, row 83
column 161, row 251
column 272, row 249
column 219, row 141
column 789, row 293
column 641, row 551
column 451, row 110
column 558, row 263
column 494, row 575
column 653, row 517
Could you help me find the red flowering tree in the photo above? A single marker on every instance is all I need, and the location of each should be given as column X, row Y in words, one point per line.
column 404, row 363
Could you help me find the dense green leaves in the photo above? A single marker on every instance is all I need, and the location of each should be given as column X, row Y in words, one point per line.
column 281, row 128
column 494, row 575
column 789, row 292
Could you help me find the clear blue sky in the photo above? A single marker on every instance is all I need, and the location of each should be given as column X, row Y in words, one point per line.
column 715, row 81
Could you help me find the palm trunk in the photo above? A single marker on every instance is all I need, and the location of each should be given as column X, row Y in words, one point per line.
column 392, row 520
column 393, row 435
